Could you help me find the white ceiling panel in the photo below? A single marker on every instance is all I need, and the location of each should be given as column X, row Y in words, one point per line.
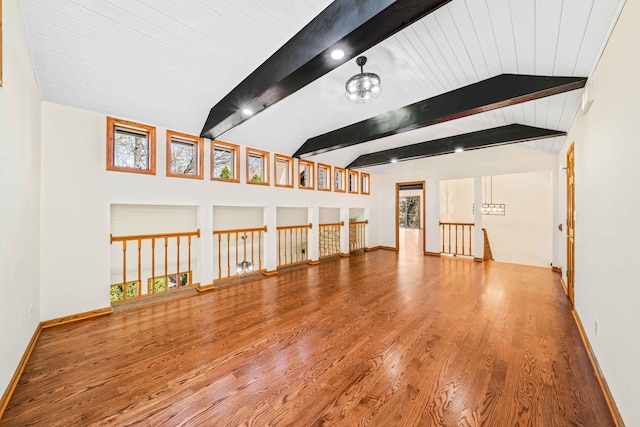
column 167, row 62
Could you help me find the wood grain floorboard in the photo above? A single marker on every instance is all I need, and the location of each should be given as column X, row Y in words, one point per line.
column 379, row 339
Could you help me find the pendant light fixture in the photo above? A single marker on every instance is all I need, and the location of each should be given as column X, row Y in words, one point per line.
column 362, row 86
column 491, row 208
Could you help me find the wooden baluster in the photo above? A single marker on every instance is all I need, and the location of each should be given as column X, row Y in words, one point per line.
column 470, row 237
column 279, row 239
column 219, row 257
column 124, row 269
column 442, row 236
column 299, row 247
column 189, row 266
column 166, row 264
column 151, row 285
column 178, row 279
column 244, row 239
column 259, row 249
column 139, row 268
column 449, row 251
column 228, row 254
column 290, row 246
column 252, row 249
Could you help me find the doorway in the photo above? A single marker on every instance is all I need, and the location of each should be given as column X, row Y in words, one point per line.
column 410, row 216
column 571, row 217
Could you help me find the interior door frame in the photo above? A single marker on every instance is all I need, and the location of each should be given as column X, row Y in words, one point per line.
column 424, row 212
column 570, row 222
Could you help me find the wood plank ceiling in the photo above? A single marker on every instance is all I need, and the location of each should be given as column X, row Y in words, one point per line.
column 166, row 62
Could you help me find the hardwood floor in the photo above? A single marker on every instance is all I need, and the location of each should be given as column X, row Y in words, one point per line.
column 377, row 339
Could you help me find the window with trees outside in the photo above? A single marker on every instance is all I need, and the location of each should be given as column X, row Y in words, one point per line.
column 338, row 179
column 324, row 177
column 131, row 147
column 365, row 182
column 305, row 175
column 283, row 166
column 225, row 161
column 169, row 282
column 353, row 182
column 184, row 155
column 257, row 167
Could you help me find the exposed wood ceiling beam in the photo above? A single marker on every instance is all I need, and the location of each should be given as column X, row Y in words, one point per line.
column 351, row 25
column 496, row 92
column 502, row 135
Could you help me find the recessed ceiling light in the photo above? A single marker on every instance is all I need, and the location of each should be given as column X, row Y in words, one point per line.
column 394, row 160
column 337, row 54
column 247, row 112
column 459, row 149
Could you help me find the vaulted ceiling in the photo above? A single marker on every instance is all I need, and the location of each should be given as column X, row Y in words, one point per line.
column 167, row 62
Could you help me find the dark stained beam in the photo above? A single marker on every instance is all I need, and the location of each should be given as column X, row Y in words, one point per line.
column 502, row 135
column 351, row 25
column 497, row 92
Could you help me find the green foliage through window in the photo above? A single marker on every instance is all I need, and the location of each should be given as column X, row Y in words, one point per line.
column 117, row 291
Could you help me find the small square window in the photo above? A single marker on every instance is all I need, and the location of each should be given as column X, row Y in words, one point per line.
column 184, row 155
column 353, row 182
column 324, row 177
column 225, row 162
column 257, row 167
column 338, row 181
column 131, row 147
column 283, row 166
column 365, row 182
column 305, row 175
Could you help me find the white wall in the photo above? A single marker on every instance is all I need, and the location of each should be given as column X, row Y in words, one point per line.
column 524, row 235
column 20, row 195
column 607, row 149
column 456, row 200
column 78, row 192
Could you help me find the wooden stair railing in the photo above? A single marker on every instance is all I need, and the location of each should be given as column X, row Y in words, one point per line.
column 232, row 244
column 356, row 235
column 293, row 244
column 329, row 241
column 455, row 238
column 168, row 280
column 487, row 254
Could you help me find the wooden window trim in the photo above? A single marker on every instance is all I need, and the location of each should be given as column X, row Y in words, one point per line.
column 357, row 175
column 328, row 168
column 199, row 143
column 236, row 170
column 112, row 124
column 344, row 183
column 265, row 165
column 289, row 160
column 311, row 174
column 364, row 175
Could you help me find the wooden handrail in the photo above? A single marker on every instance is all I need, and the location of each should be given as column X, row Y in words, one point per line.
column 153, row 236
column 240, row 230
column 366, row 221
column 288, row 227
column 456, row 223
column 341, row 224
